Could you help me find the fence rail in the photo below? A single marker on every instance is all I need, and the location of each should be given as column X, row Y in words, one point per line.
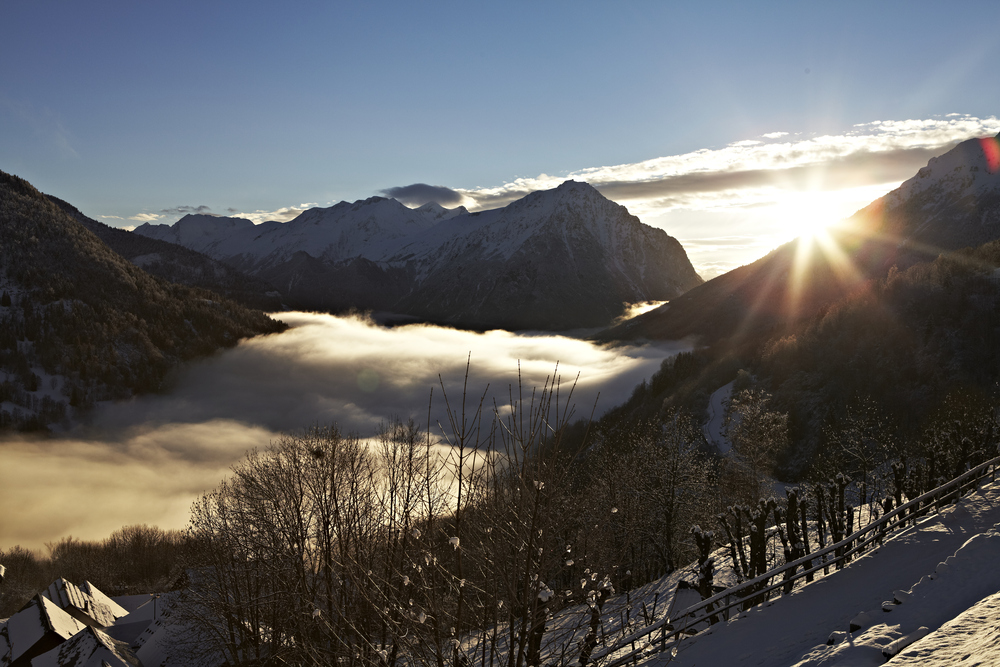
column 756, row 591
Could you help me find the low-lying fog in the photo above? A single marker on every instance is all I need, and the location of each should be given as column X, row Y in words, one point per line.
column 146, row 460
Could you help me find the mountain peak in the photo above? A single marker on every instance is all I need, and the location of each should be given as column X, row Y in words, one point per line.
column 433, row 208
column 567, row 193
column 577, row 188
column 436, row 211
column 970, row 168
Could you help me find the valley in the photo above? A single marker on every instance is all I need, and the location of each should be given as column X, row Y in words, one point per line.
column 494, row 334
column 827, row 349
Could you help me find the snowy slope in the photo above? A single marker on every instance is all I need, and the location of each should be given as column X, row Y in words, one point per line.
column 970, row 639
column 794, row 629
column 384, row 230
column 374, row 228
column 966, row 170
column 572, row 210
column 952, row 203
column 197, row 232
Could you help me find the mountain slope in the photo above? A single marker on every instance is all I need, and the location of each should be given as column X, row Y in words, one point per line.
column 94, row 325
column 568, row 257
column 178, row 264
column 556, row 259
column 952, row 203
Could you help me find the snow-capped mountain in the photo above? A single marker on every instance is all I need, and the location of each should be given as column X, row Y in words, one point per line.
column 556, row 259
column 373, row 228
column 952, row 203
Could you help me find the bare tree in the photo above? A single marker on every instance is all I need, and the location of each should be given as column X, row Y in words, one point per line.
column 758, row 434
column 323, row 548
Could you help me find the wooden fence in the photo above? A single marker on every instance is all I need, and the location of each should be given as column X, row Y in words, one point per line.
column 661, row 634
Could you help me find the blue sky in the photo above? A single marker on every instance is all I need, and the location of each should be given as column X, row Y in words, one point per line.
column 140, row 111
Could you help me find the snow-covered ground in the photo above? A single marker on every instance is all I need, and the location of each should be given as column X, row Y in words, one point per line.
column 949, row 601
column 944, row 571
column 972, row 639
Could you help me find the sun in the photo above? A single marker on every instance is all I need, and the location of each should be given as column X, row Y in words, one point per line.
column 804, row 216
column 809, row 214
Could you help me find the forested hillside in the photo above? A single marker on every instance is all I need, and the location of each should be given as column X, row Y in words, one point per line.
column 896, row 359
column 79, row 323
column 178, row 264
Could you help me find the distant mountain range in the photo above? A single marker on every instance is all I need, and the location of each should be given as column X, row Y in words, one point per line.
column 558, row 259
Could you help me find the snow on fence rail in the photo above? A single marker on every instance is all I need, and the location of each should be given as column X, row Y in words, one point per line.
column 756, row 591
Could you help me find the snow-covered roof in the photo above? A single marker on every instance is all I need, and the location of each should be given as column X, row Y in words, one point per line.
column 88, row 648
column 99, row 597
column 70, row 597
column 132, row 602
column 130, row 628
column 34, row 622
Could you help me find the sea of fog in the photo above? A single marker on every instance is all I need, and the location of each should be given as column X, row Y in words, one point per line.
column 146, row 460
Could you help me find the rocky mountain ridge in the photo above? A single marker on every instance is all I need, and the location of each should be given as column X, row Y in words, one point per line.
column 557, row 259
column 952, row 203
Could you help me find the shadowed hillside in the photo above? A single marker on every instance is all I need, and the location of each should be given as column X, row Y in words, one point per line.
column 891, row 310
column 79, row 323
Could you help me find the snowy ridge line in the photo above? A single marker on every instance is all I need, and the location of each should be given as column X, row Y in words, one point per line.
column 689, row 616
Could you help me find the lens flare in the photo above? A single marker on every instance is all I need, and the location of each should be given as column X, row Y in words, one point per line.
column 991, row 149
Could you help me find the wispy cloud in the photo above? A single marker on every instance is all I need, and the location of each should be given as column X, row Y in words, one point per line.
column 765, row 188
column 185, row 210
column 283, row 214
column 768, row 187
column 111, row 217
column 719, row 242
column 861, row 167
column 44, row 123
column 145, row 217
column 876, row 152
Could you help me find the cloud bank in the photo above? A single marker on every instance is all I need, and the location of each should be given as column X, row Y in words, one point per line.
column 764, row 188
column 145, row 461
column 876, row 152
column 419, row 194
column 145, row 217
